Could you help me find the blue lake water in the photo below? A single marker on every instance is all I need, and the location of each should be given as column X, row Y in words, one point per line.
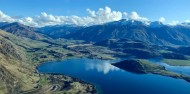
column 112, row 80
column 178, row 69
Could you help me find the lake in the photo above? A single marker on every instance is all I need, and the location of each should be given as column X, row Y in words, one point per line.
column 178, row 69
column 112, row 80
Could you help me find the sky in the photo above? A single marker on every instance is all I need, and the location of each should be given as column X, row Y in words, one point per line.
column 170, row 11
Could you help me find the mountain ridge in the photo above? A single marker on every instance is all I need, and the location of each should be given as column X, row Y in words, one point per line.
column 21, row 30
column 154, row 33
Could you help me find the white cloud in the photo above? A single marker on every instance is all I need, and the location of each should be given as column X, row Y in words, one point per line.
column 95, row 17
column 5, row 18
column 91, row 13
column 102, row 15
column 187, row 21
column 173, row 23
column 125, row 14
column 28, row 21
column 162, row 19
column 134, row 16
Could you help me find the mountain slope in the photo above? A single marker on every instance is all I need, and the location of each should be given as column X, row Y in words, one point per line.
column 3, row 23
column 18, row 60
column 21, row 30
column 59, row 31
column 155, row 33
column 15, row 75
column 135, row 48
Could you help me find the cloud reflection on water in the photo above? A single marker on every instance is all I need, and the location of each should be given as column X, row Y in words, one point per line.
column 104, row 67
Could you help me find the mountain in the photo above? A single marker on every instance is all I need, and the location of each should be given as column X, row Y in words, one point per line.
column 135, row 48
column 154, row 33
column 58, row 31
column 21, row 30
column 123, row 43
column 156, row 24
column 143, row 50
column 19, row 58
column 15, row 75
column 186, row 24
column 3, row 23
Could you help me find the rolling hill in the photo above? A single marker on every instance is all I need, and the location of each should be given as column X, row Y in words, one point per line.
column 21, row 30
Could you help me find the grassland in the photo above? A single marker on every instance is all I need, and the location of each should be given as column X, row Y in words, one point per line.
column 19, row 58
column 16, row 75
column 175, row 62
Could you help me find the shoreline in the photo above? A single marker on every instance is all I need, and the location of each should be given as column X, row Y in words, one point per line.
column 75, row 79
column 90, row 88
column 145, row 67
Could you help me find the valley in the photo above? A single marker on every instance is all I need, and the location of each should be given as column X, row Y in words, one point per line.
column 21, row 55
column 94, row 47
column 23, row 49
